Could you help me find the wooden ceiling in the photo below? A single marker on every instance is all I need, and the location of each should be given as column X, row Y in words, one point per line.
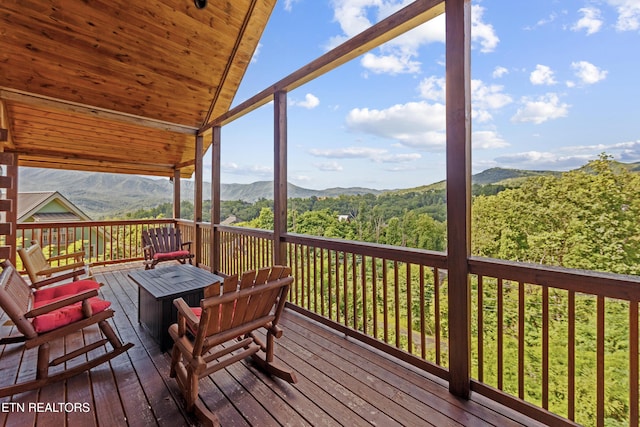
column 120, row 86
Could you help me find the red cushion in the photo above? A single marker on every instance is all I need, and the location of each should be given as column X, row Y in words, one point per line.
column 72, row 288
column 69, row 314
column 170, row 255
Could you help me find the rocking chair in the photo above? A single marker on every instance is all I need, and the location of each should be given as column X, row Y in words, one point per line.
column 41, row 271
column 230, row 317
column 45, row 315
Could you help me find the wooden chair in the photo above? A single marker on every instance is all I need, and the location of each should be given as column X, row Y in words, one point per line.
column 41, row 271
column 164, row 244
column 50, row 314
column 228, row 316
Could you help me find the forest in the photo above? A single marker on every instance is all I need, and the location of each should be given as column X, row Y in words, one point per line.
column 586, row 219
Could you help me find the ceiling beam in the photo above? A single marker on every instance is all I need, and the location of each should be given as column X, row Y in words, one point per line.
column 12, row 95
column 234, row 52
column 5, row 133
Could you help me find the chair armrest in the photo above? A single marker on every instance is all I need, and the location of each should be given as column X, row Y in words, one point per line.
column 184, row 312
column 186, row 244
column 47, row 308
column 59, row 278
column 59, row 268
column 75, row 255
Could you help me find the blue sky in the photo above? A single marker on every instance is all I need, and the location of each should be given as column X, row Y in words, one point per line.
column 554, row 83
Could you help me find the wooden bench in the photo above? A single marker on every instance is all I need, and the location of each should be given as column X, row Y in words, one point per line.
column 164, row 244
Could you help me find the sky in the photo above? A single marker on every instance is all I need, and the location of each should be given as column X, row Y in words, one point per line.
column 554, row 84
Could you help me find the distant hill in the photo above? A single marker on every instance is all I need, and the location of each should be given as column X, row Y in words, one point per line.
column 102, row 195
column 508, row 177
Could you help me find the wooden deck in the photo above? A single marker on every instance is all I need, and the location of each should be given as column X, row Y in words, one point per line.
column 341, row 382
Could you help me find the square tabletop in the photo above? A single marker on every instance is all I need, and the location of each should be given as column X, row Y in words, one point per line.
column 170, row 281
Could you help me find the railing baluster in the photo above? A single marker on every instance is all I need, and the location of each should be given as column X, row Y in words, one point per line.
column 374, row 294
column 500, row 332
column 600, row 362
column 396, row 300
column 409, row 308
column 571, row 363
column 385, row 301
column 354, row 292
column 545, row 348
column 521, row 340
column 480, row 293
column 436, row 305
column 634, row 377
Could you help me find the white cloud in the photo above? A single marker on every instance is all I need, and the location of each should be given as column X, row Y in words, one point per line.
column 378, row 155
column 389, row 64
column 628, row 14
column 538, row 160
column 484, row 98
column 399, row 55
column 542, row 75
column 248, row 170
column 570, row 157
column 288, row 4
column 414, row 124
column 310, row 102
column 588, row 73
column 487, row 139
column 481, row 32
column 542, row 22
column 487, row 98
column 433, row 88
column 329, row 166
column 591, row 20
column 537, row 111
column 256, row 53
column 499, row 72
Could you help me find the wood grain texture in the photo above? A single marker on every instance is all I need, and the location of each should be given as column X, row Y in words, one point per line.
column 88, row 85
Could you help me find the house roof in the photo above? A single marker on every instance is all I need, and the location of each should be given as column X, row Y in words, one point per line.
column 120, row 86
column 29, row 203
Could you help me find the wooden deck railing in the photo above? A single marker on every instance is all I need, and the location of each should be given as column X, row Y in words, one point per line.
column 544, row 339
column 555, row 338
column 104, row 242
column 556, row 344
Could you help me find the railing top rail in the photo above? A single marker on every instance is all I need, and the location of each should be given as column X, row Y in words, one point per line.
column 620, row 286
column 255, row 232
column 67, row 224
column 394, row 253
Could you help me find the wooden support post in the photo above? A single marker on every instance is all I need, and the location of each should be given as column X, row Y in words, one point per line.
column 197, row 200
column 215, row 199
column 176, row 194
column 280, row 177
column 10, row 160
column 458, row 108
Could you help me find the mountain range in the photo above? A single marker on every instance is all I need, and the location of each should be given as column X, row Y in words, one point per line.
column 103, row 195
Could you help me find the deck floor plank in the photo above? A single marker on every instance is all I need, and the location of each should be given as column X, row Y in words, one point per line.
column 340, row 381
column 143, row 358
column 408, row 387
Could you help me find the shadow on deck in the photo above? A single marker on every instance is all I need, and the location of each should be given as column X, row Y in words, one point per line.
column 341, row 382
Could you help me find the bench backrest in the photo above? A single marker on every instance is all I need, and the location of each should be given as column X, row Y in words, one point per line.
column 16, row 298
column 33, row 260
column 162, row 239
column 243, row 305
